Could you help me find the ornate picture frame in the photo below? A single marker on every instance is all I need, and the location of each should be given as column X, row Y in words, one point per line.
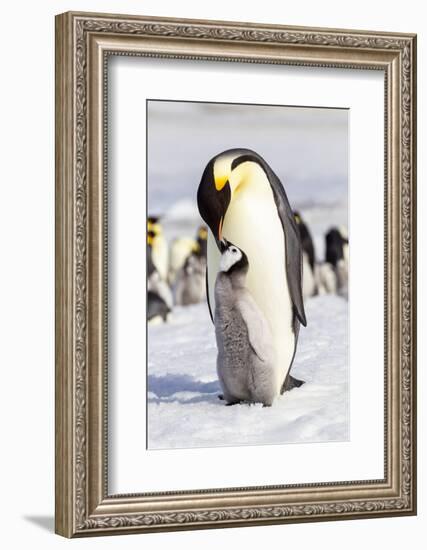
column 84, row 42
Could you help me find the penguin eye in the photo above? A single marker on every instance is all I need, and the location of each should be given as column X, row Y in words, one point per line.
column 233, row 250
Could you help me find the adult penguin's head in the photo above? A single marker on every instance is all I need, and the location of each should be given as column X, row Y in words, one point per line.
column 220, row 181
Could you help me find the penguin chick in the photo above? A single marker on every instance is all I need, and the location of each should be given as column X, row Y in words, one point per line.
column 191, row 282
column 245, row 362
column 241, row 199
column 180, row 250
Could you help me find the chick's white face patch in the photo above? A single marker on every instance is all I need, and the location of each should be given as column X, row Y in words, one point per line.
column 230, row 257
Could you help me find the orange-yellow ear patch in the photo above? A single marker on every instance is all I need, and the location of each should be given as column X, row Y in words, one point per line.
column 220, row 181
column 222, row 171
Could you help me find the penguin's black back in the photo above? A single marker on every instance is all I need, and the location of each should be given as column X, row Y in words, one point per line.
column 307, row 243
column 334, row 246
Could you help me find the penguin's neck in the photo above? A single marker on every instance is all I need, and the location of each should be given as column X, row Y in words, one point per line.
column 238, row 280
column 227, row 287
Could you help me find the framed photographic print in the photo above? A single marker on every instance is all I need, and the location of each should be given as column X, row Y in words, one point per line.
column 235, row 274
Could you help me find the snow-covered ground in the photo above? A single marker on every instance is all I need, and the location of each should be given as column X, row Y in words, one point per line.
column 183, row 406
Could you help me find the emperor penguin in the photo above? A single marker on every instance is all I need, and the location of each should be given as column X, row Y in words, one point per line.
column 202, row 241
column 181, row 248
column 157, row 309
column 245, row 362
column 242, row 200
column 326, row 278
column 344, row 235
column 306, row 239
column 336, row 246
column 155, row 283
column 309, row 285
column 159, row 246
column 337, row 256
column 191, row 286
column 191, row 280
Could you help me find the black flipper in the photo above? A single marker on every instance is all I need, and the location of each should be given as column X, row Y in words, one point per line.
column 207, row 294
column 290, row 230
column 293, row 244
column 290, row 383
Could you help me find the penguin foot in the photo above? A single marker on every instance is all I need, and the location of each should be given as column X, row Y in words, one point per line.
column 290, row 383
column 231, row 403
column 230, row 399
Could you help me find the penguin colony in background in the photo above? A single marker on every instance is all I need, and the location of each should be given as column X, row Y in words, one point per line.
column 190, row 285
column 309, row 287
column 176, row 274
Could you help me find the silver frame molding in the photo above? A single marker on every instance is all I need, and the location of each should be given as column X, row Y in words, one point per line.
column 83, row 43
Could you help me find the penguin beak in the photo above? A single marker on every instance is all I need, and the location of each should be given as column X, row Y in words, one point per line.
column 220, row 228
column 222, row 245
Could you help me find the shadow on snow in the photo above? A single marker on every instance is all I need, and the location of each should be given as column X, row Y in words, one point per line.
column 171, row 384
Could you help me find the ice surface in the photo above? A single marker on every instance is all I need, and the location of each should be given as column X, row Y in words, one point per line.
column 183, row 406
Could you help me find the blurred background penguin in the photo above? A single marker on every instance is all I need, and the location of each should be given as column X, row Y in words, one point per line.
column 176, row 273
column 159, row 246
column 159, row 295
column 191, row 280
column 309, row 285
column 331, row 275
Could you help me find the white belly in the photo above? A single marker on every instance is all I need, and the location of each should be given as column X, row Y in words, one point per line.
column 252, row 224
column 160, row 256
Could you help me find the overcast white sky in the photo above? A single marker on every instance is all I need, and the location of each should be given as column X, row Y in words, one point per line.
column 306, row 147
